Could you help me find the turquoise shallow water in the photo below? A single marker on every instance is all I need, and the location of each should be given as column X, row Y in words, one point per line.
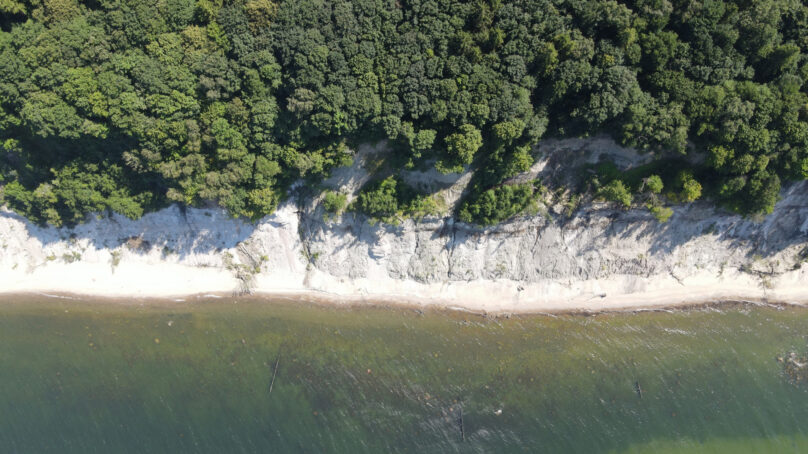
column 90, row 377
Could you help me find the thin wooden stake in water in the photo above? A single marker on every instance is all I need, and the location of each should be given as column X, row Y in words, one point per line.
column 274, row 372
column 462, row 428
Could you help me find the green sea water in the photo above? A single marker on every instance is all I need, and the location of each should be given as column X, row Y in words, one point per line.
column 95, row 377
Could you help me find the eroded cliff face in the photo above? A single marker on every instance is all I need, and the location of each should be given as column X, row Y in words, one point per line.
column 595, row 243
column 551, row 260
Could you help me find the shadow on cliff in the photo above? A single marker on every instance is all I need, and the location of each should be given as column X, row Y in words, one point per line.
column 786, row 226
column 173, row 230
column 189, row 231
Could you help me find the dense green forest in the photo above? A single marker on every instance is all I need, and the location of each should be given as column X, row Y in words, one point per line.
column 127, row 105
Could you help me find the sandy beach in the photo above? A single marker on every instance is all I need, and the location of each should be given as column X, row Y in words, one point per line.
column 169, row 283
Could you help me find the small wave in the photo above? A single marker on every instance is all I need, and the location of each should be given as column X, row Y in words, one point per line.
column 48, row 295
column 677, row 331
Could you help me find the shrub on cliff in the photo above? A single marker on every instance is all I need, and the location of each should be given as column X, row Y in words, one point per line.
column 691, row 189
column 660, row 213
column 390, row 199
column 616, row 191
column 497, row 204
column 334, row 203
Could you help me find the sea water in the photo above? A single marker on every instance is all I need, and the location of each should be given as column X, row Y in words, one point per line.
column 245, row 376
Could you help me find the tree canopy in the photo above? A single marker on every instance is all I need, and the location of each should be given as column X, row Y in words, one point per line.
column 127, row 105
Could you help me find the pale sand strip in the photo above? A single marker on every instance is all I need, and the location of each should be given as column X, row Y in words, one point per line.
column 171, row 281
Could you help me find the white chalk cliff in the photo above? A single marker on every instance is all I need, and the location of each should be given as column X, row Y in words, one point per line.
column 597, row 258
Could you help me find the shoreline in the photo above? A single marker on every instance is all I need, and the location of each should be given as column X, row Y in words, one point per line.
column 320, row 300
